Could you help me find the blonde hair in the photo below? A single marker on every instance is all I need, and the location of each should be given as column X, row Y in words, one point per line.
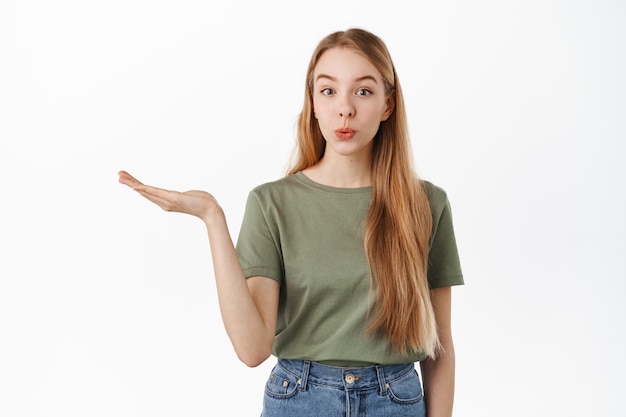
column 399, row 222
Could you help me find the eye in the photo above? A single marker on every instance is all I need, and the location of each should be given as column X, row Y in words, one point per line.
column 327, row 91
column 363, row 92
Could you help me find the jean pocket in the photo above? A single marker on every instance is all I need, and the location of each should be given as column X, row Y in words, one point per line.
column 407, row 389
column 281, row 383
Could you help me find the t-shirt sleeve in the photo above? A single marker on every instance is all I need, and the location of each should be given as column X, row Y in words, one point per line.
column 444, row 267
column 258, row 244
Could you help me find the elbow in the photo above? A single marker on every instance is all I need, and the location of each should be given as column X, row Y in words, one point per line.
column 253, row 359
column 253, row 351
column 253, row 356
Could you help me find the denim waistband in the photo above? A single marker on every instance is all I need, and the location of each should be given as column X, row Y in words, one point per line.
column 376, row 376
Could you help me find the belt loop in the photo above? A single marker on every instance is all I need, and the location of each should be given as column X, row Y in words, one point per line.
column 381, row 379
column 305, row 375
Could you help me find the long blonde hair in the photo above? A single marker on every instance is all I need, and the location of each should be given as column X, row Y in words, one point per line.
column 399, row 222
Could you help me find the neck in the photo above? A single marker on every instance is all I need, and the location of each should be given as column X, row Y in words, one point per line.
column 341, row 171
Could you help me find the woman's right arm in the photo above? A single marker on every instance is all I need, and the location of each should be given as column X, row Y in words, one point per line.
column 248, row 306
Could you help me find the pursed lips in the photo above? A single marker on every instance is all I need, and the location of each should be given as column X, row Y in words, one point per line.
column 345, row 133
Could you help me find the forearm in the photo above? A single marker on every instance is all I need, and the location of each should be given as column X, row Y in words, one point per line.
column 250, row 329
column 438, row 378
column 250, row 335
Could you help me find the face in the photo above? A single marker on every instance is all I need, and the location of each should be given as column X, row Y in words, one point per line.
column 349, row 101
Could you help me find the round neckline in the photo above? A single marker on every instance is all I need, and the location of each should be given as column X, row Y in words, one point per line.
column 330, row 189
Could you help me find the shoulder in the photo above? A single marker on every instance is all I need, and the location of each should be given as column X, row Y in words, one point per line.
column 437, row 197
column 281, row 185
column 277, row 192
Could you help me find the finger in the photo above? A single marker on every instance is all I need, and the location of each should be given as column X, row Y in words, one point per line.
column 124, row 174
column 137, row 185
column 127, row 179
column 161, row 202
column 162, row 198
column 162, row 193
column 155, row 191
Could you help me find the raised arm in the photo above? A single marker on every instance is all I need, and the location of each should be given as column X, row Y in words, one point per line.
column 248, row 306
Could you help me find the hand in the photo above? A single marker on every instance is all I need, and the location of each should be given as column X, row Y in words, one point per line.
column 197, row 203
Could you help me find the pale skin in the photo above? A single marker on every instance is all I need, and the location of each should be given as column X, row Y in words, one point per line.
column 348, row 94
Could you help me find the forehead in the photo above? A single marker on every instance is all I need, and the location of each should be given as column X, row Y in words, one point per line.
column 344, row 65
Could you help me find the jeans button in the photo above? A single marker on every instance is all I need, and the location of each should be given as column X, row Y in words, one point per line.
column 350, row 378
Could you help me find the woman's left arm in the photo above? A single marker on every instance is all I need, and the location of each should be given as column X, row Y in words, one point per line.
column 438, row 374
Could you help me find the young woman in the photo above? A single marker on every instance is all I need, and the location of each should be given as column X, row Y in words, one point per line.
column 343, row 268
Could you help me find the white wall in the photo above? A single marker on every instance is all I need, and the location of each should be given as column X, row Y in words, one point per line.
column 108, row 305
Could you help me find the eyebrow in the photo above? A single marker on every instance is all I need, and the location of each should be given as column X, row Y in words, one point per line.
column 364, row 77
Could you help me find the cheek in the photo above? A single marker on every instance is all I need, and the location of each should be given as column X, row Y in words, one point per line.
column 318, row 106
column 320, row 113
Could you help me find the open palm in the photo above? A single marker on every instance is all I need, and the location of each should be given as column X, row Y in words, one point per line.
column 195, row 202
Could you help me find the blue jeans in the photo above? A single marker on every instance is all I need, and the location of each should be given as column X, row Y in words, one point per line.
column 298, row 388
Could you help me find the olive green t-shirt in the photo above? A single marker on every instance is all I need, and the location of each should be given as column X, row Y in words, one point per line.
column 309, row 238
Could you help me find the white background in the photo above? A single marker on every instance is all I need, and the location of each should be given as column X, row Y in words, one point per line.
column 108, row 304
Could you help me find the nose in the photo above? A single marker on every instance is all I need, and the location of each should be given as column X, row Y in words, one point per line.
column 346, row 109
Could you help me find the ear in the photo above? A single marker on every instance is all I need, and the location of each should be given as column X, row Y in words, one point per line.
column 390, row 106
